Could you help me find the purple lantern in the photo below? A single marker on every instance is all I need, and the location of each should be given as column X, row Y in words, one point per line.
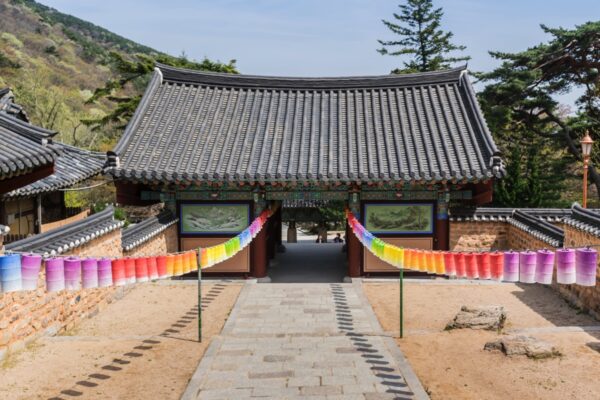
column 89, row 268
column 527, row 264
column 544, row 267
column 565, row 266
column 30, row 270
column 55, row 274
column 72, row 273
column 586, row 265
column 511, row 266
column 104, row 272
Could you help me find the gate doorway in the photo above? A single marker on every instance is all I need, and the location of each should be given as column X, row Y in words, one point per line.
column 310, row 251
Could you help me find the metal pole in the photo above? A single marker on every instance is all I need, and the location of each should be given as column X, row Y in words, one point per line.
column 585, row 173
column 200, row 294
column 401, row 302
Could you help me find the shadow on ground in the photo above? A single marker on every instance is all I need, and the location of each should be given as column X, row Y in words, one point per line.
column 306, row 262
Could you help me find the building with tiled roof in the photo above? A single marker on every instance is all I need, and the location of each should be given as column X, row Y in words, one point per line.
column 417, row 140
column 68, row 237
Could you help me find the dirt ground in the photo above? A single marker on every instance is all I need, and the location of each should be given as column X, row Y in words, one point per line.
column 453, row 364
column 143, row 346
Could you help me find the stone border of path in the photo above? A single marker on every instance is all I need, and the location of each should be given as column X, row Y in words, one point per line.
column 192, row 389
column 409, row 375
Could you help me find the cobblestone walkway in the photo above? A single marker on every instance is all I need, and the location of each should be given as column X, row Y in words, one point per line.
column 313, row 341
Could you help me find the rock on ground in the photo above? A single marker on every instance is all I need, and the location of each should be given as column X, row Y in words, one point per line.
column 523, row 345
column 490, row 318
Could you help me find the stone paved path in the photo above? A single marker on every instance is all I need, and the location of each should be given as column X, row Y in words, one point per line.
column 309, row 341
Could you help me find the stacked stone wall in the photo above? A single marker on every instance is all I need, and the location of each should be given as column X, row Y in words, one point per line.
column 164, row 242
column 478, row 235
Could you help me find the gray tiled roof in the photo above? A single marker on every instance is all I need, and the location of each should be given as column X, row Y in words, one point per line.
column 538, row 228
column 24, row 147
column 73, row 235
column 8, row 105
column 584, row 219
column 196, row 126
column 504, row 214
column 136, row 235
column 71, row 167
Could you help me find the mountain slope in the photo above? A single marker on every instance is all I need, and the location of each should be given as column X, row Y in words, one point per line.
column 53, row 62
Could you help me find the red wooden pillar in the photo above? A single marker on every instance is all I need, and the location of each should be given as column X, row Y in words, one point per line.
column 258, row 250
column 442, row 234
column 354, row 254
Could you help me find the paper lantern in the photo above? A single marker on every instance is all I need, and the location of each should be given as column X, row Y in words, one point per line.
column 544, row 267
column 460, row 263
column 118, row 272
column 586, row 262
column 449, row 263
column 178, row 265
column 186, row 266
column 171, row 265
column 105, row 278
column 55, row 274
column 204, row 258
column 527, row 264
column 161, row 267
column 511, row 266
column 472, row 270
column 193, row 259
column 430, row 260
column 565, row 266
column 440, row 267
column 484, row 266
column 10, row 273
column 497, row 265
column 72, row 273
column 408, row 255
column 30, row 270
column 152, row 268
column 89, row 268
column 141, row 269
column 130, row 270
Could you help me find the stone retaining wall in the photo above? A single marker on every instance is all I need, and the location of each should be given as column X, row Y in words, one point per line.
column 478, row 235
column 481, row 235
column 25, row 316
column 164, row 242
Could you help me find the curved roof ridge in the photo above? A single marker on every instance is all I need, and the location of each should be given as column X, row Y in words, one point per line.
column 32, row 131
column 189, row 76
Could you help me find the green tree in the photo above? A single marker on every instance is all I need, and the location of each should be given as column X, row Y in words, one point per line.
column 125, row 89
column 520, row 99
column 422, row 38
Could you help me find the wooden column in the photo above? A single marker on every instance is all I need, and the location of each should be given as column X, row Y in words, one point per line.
column 442, row 234
column 38, row 214
column 354, row 254
column 259, row 254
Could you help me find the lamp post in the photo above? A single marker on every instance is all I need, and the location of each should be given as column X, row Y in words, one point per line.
column 586, row 149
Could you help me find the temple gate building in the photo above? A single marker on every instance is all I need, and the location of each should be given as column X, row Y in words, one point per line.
column 399, row 150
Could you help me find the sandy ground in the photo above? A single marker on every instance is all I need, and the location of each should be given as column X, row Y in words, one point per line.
column 143, row 346
column 453, row 365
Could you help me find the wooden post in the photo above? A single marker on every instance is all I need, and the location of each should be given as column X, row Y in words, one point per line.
column 38, row 214
column 354, row 255
column 200, row 294
column 259, row 254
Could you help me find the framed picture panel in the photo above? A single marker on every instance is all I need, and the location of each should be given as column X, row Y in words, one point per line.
column 210, row 219
column 399, row 218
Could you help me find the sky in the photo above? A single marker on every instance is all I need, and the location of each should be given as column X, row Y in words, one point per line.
column 320, row 37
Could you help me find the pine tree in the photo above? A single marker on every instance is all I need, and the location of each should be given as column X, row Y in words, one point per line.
column 421, row 37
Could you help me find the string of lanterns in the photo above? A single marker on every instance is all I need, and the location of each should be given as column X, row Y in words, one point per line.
column 20, row 272
column 573, row 266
